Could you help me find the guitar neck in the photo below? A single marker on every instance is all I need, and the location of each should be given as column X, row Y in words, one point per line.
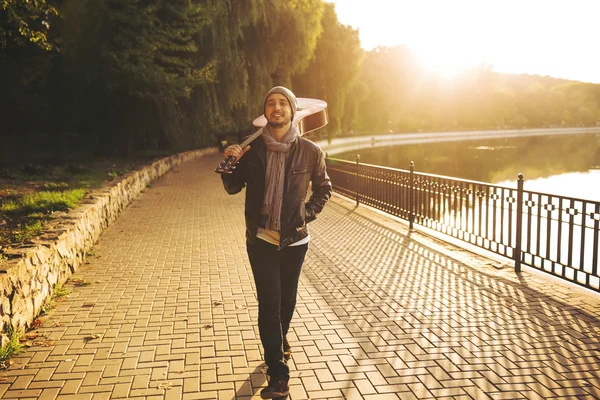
column 251, row 138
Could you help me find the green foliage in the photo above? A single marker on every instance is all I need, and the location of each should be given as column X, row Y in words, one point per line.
column 388, row 90
column 333, row 70
column 24, row 21
column 60, row 291
column 47, row 307
column 28, row 230
column 43, row 202
column 150, row 48
column 12, row 347
column 113, row 174
column 255, row 45
column 29, row 212
column 167, row 75
column 32, row 191
column 396, row 95
column 148, row 55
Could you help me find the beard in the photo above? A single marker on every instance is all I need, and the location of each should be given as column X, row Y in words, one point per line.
column 278, row 125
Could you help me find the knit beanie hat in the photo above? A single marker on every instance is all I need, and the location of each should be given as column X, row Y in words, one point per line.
column 291, row 98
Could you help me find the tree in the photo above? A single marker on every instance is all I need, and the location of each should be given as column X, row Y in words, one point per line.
column 255, row 45
column 334, row 68
column 23, row 21
column 394, row 91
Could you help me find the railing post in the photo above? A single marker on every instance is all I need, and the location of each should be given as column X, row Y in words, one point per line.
column 517, row 254
column 357, row 178
column 411, row 194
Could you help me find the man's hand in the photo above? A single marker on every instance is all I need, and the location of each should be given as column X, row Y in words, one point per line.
column 236, row 151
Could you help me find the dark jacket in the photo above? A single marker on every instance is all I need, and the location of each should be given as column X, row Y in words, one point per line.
column 304, row 164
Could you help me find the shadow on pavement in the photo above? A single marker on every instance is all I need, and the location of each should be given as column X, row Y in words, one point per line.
column 422, row 310
column 254, row 384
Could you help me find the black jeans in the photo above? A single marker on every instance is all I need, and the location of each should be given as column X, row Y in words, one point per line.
column 276, row 274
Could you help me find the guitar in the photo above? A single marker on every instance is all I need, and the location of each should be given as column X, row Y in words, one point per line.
column 311, row 115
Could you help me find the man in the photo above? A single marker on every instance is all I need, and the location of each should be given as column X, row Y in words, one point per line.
column 276, row 170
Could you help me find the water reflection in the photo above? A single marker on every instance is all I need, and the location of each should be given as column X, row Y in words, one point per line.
column 583, row 185
column 563, row 164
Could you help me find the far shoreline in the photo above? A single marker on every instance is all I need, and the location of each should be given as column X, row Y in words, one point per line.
column 345, row 144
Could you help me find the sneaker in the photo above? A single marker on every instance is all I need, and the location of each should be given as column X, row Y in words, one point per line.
column 287, row 349
column 276, row 388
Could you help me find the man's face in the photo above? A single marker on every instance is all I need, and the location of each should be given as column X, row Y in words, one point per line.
column 278, row 111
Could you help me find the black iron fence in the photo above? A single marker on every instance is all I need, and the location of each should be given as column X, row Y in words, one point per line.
column 555, row 234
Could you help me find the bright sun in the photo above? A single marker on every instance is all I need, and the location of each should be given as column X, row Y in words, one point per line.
column 513, row 36
column 443, row 62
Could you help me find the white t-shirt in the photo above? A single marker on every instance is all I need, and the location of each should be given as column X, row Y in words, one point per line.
column 273, row 237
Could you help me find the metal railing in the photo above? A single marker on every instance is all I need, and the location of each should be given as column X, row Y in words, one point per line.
column 555, row 234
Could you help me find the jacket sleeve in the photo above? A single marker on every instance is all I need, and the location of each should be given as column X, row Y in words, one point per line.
column 321, row 188
column 236, row 181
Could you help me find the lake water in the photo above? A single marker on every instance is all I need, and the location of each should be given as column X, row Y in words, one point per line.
column 567, row 165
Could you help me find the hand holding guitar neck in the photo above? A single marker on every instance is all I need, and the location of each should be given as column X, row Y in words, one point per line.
column 310, row 115
column 233, row 154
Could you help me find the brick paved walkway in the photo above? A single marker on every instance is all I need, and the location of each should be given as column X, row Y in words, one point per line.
column 166, row 309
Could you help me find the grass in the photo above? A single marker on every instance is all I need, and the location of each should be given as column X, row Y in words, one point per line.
column 115, row 173
column 47, row 307
column 43, row 202
column 28, row 213
column 28, row 230
column 30, row 192
column 59, row 292
column 12, row 347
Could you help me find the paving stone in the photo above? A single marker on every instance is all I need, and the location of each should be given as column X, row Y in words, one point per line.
column 22, row 394
column 22, row 382
column 381, row 313
column 49, row 394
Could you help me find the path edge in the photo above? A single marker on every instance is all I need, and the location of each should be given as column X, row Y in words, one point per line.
column 32, row 272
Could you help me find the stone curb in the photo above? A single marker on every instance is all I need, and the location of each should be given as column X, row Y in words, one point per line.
column 28, row 278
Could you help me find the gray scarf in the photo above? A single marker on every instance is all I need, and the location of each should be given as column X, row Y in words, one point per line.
column 275, row 176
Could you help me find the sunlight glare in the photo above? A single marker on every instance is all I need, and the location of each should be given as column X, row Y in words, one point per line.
column 545, row 37
column 577, row 184
column 443, row 62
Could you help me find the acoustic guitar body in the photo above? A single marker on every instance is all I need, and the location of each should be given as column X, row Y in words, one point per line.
column 311, row 115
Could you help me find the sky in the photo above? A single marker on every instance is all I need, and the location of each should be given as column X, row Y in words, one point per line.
column 560, row 38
